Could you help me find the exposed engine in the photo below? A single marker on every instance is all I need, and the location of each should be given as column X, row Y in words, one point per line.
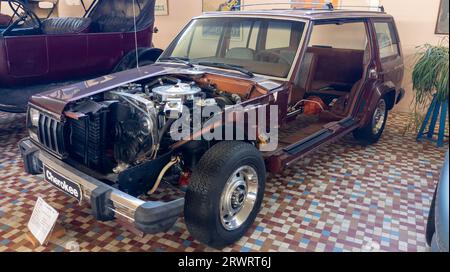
column 125, row 131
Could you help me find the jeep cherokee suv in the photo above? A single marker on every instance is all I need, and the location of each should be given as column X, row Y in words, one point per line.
column 318, row 74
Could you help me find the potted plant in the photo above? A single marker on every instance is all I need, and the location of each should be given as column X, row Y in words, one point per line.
column 431, row 90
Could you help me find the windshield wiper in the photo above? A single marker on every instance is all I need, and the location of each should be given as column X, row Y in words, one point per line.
column 184, row 61
column 227, row 66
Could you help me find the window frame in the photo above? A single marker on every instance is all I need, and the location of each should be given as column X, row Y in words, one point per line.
column 364, row 21
column 394, row 35
column 307, row 39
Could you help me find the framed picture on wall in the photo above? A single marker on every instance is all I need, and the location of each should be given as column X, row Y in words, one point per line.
column 443, row 18
column 221, row 5
column 161, row 8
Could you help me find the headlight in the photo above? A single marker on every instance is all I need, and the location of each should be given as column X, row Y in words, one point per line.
column 33, row 123
column 34, row 117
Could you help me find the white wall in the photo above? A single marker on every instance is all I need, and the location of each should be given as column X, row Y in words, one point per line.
column 416, row 22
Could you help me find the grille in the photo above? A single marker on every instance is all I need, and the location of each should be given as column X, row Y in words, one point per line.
column 88, row 140
column 51, row 134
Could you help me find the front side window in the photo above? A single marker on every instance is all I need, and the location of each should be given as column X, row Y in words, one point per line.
column 387, row 40
column 262, row 46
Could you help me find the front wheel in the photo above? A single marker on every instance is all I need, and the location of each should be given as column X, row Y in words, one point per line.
column 372, row 132
column 225, row 193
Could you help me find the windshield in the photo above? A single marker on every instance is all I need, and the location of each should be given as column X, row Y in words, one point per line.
column 262, row 46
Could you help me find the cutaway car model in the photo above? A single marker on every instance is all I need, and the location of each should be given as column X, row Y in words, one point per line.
column 109, row 141
column 39, row 49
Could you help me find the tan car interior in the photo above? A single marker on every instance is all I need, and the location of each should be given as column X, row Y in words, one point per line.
column 331, row 74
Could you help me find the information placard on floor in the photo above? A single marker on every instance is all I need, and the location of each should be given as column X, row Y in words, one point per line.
column 42, row 220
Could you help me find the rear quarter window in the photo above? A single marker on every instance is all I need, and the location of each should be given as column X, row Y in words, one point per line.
column 387, row 39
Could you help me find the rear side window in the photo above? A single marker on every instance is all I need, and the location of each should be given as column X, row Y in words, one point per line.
column 387, row 40
column 344, row 36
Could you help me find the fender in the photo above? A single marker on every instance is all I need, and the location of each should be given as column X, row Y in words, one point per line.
column 144, row 53
column 379, row 89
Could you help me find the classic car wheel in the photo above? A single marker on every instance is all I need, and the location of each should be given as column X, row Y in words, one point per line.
column 225, row 193
column 372, row 132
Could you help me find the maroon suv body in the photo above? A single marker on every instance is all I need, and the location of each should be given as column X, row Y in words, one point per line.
column 326, row 73
column 36, row 51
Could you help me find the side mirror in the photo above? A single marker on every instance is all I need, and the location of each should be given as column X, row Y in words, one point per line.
column 46, row 5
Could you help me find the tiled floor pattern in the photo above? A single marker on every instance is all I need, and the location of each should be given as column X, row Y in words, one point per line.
column 343, row 198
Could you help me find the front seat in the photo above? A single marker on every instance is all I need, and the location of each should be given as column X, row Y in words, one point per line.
column 4, row 19
column 65, row 25
column 305, row 77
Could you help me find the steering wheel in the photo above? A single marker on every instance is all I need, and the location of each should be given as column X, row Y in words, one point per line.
column 260, row 55
column 17, row 5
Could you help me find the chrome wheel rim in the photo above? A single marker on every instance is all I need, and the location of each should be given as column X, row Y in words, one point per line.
column 238, row 197
column 379, row 117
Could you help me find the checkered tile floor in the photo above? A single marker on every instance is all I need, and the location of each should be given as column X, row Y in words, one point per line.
column 343, row 198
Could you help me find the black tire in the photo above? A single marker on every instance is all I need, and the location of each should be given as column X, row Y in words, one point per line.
column 431, row 227
column 202, row 211
column 366, row 134
column 131, row 64
column 145, row 62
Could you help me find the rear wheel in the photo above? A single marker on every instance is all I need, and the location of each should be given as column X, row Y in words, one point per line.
column 225, row 193
column 372, row 132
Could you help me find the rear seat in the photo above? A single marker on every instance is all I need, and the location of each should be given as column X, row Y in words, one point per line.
column 330, row 71
column 336, row 68
column 65, row 25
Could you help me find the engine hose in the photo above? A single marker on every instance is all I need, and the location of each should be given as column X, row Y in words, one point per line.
column 173, row 161
column 161, row 133
column 164, row 129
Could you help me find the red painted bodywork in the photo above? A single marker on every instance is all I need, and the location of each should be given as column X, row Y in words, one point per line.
column 26, row 60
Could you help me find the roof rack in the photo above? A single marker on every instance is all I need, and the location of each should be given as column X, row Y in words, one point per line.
column 319, row 6
column 326, row 6
column 380, row 8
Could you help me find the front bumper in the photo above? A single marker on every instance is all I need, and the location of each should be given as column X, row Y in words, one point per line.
column 106, row 201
